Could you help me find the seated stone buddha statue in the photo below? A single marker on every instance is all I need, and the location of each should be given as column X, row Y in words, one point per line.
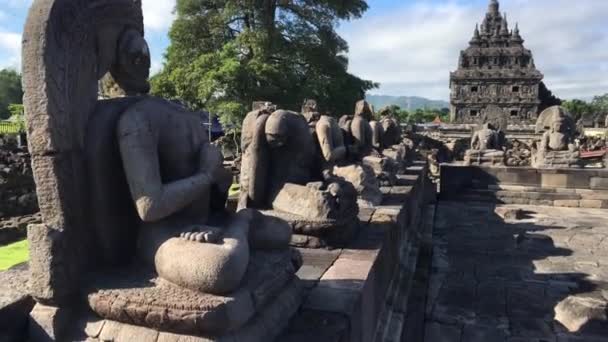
column 177, row 181
column 557, row 147
column 135, row 228
column 486, row 147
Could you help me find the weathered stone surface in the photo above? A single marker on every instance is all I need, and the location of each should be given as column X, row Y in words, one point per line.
column 567, row 203
column 15, row 303
column 510, row 213
column 315, row 264
column 49, row 323
column 149, row 302
column 364, row 181
column 599, row 183
column 512, row 279
column 577, row 311
column 50, row 280
column 265, row 326
column 554, row 180
column 593, row 204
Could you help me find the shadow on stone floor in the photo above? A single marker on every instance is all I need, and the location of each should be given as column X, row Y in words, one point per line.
column 501, row 281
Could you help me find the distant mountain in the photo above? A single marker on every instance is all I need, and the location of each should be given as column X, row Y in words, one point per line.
column 405, row 102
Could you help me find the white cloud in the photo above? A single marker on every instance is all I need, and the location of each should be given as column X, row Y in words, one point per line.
column 10, row 50
column 412, row 49
column 158, row 14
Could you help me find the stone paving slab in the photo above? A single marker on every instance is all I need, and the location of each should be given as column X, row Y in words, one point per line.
column 543, row 277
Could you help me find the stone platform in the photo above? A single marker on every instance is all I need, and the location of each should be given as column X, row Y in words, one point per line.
column 577, row 188
column 541, row 278
column 352, row 292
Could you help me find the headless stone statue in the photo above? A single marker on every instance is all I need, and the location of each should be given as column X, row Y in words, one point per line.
column 486, row 147
column 335, row 163
column 280, row 173
column 361, row 131
column 487, row 138
column 331, row 140
column 177, row 182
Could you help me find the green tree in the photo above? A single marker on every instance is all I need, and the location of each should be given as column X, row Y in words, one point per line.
column 579, row 109
column 10, row 91
column 226, row 54
column 17, row 115
column 600, row 104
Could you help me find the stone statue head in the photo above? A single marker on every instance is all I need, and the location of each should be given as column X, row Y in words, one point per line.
column 277, row 129
column 558, row 126
column 365, row 110
column 132, row 66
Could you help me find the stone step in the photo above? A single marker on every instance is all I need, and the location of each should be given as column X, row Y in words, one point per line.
column 584, row 193
column 529, row 197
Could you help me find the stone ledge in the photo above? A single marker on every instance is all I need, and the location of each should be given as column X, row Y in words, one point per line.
column 353, row 284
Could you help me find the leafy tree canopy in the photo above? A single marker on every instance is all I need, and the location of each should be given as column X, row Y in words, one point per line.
column 10, row 91
column 581, row 109
column 226, row 54
column 418, row 116
column 600, row 103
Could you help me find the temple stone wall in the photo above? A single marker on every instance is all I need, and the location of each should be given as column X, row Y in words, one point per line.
column 17, row 188
column 559, row 188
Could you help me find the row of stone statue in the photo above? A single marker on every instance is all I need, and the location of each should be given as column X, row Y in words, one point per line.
column 313, row 170
column 134, row 183
column 556, row 149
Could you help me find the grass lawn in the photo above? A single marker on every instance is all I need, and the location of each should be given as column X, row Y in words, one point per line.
column 13, row 254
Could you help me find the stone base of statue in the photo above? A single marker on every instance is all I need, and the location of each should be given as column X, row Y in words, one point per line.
column 318, row 218
column 133, row 302
column 384, row 168
column 557, row 160
column 364, row 179
column 399, row 156
column 484, row 158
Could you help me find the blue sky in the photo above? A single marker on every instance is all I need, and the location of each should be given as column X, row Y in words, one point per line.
column 410, row 46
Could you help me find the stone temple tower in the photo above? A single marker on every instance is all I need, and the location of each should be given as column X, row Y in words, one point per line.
column 496, row 70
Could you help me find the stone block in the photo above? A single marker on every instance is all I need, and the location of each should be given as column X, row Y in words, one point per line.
column 599, row 183
column 594, row 195
column 48, row 323
column 507, row 213
column 348, row 273
column 50, row 265
column 328, row 299
column 315, row 264
column 547, row 203
column 567, row 203
column 554, row 180
column 593, row 204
